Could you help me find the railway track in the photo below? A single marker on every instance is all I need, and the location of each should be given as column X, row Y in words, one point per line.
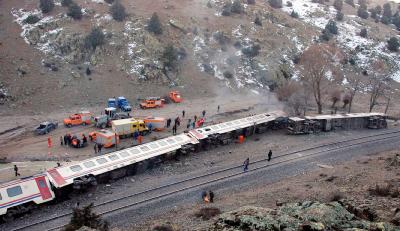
column 163, row 191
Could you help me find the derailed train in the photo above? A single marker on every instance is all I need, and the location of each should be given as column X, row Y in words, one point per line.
column 20, row 195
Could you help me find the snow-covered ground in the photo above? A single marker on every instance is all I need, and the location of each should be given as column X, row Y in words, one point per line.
column 368, row 50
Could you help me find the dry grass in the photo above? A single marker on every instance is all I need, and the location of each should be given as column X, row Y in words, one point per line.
column 336, row 196
column 208, row 213
column 385, row 190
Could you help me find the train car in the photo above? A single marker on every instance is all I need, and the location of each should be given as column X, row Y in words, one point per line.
column 18, row 196
column 116, row 164
column 326, row 123
column 224, row 133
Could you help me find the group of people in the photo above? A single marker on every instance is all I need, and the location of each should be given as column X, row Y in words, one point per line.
column 207, row 197
column 246, row 163
column 97, row 148
column 67, row 140
column 196, row 122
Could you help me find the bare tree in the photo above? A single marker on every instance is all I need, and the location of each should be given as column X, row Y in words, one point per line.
column 377, row 83
column 354, row 85
column 316, row 63
column 335, row 96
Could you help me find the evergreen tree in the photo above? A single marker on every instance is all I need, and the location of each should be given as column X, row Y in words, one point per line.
column 364, row 33
column 155, row 24
column 338, row 4
column 46, row 6
column 117, row 10
column 75, row 11
column 393, row 44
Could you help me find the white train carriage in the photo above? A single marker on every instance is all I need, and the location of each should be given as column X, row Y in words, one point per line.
column 93, row 168
column 224, row 133
column 17, row 196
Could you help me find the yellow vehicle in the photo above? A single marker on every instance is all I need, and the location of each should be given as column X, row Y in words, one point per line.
column 127, row 127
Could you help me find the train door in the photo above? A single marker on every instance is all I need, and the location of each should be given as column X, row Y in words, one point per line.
column 43, row 187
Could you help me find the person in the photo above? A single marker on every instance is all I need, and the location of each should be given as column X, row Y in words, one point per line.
column 194, row 124
column 16, row 170
column 61, row 141
column 58, row 164
column 178, row 121
column 218, row 109
column 65, row 140
column 269, row 155
column 174, row 129
column 135, row 135
column 140, row 138
column 188, row 126
column 99, row 146
column 189, row 121
column 49, row 142
column 211, row 195
column 246, row 164
column 204, row 113
column 69, row 139
column 150, row 126
column 183, row 114
column 84, row 139
column 95, row 148
column 195, row 118
column 168, row 122
column 204, row 195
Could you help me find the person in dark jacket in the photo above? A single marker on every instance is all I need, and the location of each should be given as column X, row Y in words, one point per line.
column 16, row 170
column 211, row 195
column 269, row 155
column 246, row 164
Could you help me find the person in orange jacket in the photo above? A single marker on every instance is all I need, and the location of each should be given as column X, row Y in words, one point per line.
column 49, row 142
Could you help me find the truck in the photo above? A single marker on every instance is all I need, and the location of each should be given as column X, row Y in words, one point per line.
column 155, row 123
column 112, row 102
column 105, row 137
column 46, row 127
column 81, row 118
column 126, row 127
column 110, row 114
column 123, row 104
column 175, row 96
column 152, row 102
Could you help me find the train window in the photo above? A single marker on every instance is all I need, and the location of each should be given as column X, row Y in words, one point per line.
column 101, row 160
column 162, row 143
column 153, row 145
column 223, row 125
column 14, row 191
column 229, row 124
column 249, row 119
column 207, row 129
column 134, row 151
column 243, row 120
column 199, row 130
column 76, row 168
column 178, row 138
column 171, row 141
column 42, row 184
column 124, row 154
column 89, row 164
column 215, row 127
column 1, row 197
column 144, row 148
column 113, row 157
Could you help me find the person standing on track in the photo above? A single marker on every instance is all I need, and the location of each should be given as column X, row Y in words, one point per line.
column 269, row 155
column 16, row 170
column 246, row 165
column 183, row 114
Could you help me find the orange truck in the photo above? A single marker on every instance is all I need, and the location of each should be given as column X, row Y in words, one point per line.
column 105, row 137
column 155, row 123
column 152, row 102
column 81, row 118
column 175, row 96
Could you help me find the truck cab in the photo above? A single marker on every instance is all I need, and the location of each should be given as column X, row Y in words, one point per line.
column 112, row 102
column 175, row 96
column 82, row 118
column 123, row 104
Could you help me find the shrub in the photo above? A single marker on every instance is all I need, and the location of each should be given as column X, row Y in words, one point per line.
column 387, row 10
column 227, row 9
column 338, row 4
column 251, row 2
column 163, row 228
column 46, row 5
column 339, row 16
column 381, row 190
column 378, row 9
column 373, row 15
column 85, row 217
column 294, row 14
column 393, row 44
column 32, row 19
column 396, row 22
column 207, row 213
column 362, row 13
column 336, row 196
column 170, row 58
column 350, row 2
column 154, row 24
column 363, row 3
column 331, row 27
column 237, row 7
column 289, row 4
column 364, row 33
column 251, row 51
column 74, row 11
column 258, row 21
column 94, row 39
column 385, row 20
column 66, row 2
column 275, row 3
column 228, row 74
column 326, row 35
column 109, row 1
column 117, row 10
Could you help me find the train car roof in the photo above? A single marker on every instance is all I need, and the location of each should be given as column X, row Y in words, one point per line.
column 64, row 175
column 341, row 116
column 201, row 133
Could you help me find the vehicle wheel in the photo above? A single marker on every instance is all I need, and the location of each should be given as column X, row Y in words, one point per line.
column 84, row 123
column 69, row 125
column 103, row 126
column 144, row 133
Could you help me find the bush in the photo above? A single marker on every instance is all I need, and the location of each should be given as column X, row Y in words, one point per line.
column 336, row 196
column 339, row 16
column 46, row 6
column 251, row 51
column 362, row 13
column 275, row 3
column 237, row 7
column 338, row 4
column 363, row 3
column 251, row 2
column 207, row 213
column 228, row 74
column 364, row 33
column 378, row 9
column 170, row 58
column 294, row 14
column 393, row 44
column 331, row 27
column 94, row 39
column 154, row 24
column 32, row 19
column 385, row 20
column 109, row 1
column 396, row 22
column 326, row 35
column 258, row 20
column 117, row 10
column 289, row 4
column 387, row 10
column 373, row 15
column 85, row 217
column 350, row 2
column 74, row 11
column 66, row 2
column 227, row 9
column 381, row 190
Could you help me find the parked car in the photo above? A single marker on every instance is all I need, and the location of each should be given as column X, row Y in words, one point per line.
column 46, row 127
